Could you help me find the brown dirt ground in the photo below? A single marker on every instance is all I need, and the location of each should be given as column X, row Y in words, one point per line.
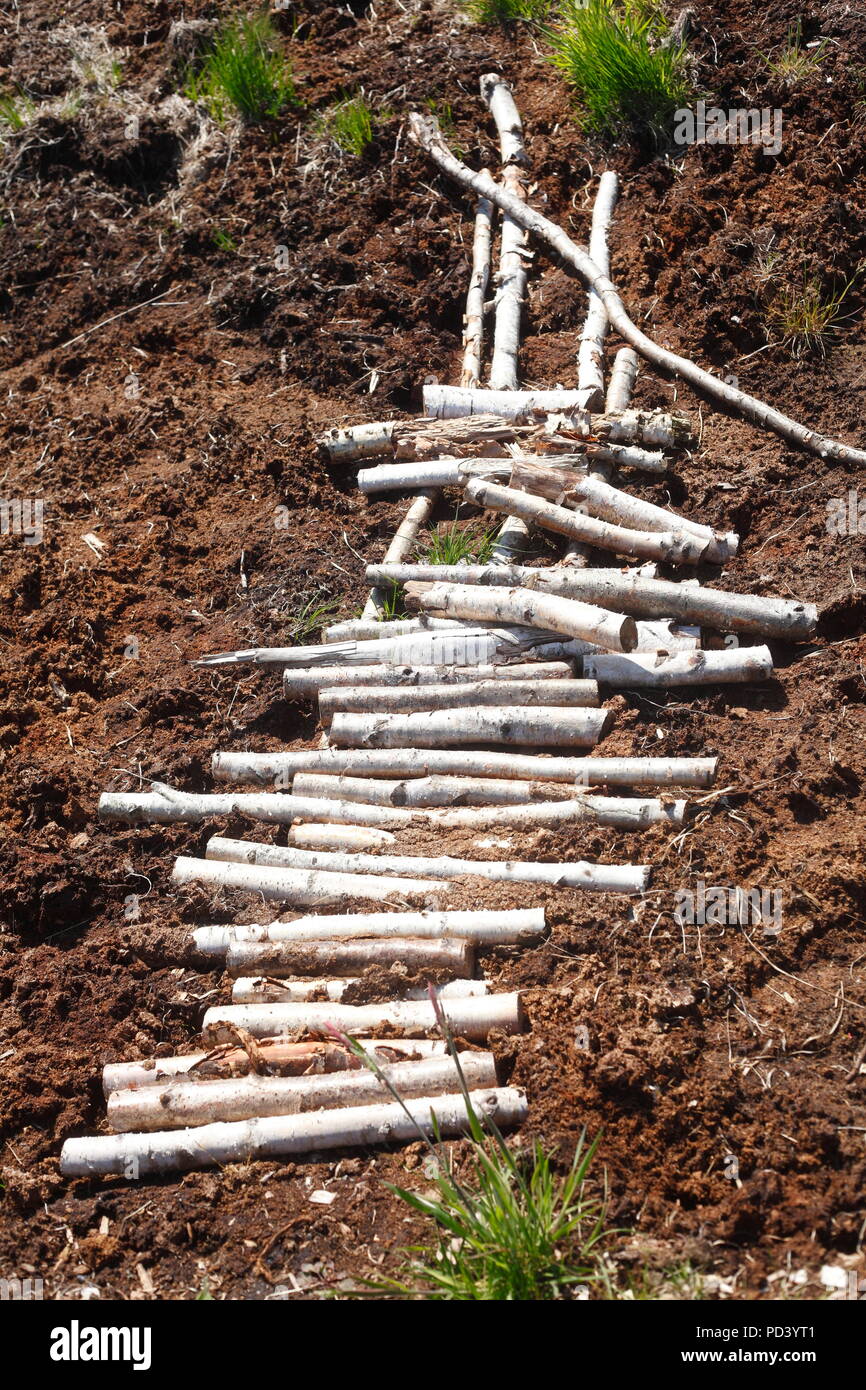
column 704, row 1044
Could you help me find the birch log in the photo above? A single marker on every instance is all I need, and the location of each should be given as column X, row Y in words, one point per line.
column 590, row 357
column 657, row 428
column 473, row 322
column 302, row 888
column 425, row 132
column 638, row 592
column 673, row 547
column 260, row 858
column 612, row 504
column 506, row 724
column 623, row 373
column 429, row 791
column 352, row 957
column 313, row 835
column 506, row 928
column 364, row 629
column 169, row 806
column 472, row 1019
column 280, row 1136
column 660, row 635
column 684, row 668
column 262, row 990
column 263, row 1057
column 440, row 472
column 384, row 699
column 185, row 1103
column 308, row 684
column 467, row 647
column 615, row 632
column 421, row 762
column 402, row 546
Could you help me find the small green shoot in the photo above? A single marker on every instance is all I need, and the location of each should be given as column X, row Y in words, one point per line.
column 505, row 11
column 794, row 62
column 349, row 125
column 805, row 319
column 453, row 545
column 244, row 72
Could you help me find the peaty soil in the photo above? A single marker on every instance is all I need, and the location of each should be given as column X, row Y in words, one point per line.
column 184, row 310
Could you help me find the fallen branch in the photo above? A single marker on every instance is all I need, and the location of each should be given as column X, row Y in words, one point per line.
column 359, row 1126
column 672, row 547
column 421, row 762
column 260, row 990
column 472, row 1019
column 385, row 699
column 352, row 957
column 508, row 927
column 684, row 668
column 425, row 132
column 634, row 591
column 590, row 356
column 622, row 378
column 508, row 724
column 307, row 684
column 655, row 428
column 300, row 887
column 473, row 321
column 185, row 1103
column 550, row 612
column 402, row 546
column 261, row 858
column 429, row 791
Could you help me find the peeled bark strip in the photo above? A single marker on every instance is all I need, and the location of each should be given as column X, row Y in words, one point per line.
column 423, row 762
column 623, row 374
column 603, row 878
column 472, row 1019
column 672, row 547
column 590, row 357
column 264, row 1057
column 402, row 546
column 301, row 887
column 615, row 632
column 430, row 791
column 612, row 504
column 378, row 699
column 473, row 321
column 507, row 724
column 508, row 927
column 353, row 957
column 308, row 684
column 187, row 1103
column 240, row 1141
column 684, row 668
column 637, row 592
column 425, row 132
column 261, row 990
column 329, row 836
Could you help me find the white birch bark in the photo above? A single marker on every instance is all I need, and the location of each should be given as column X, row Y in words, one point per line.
column 656, row 428
column 511, row 543
column 684, row 668
column 673, row 547
column 402, row 546
column 260, row 858
column 260, row 989
column 473, row 322
column 300, row 684
column 552, row 613
column 430, row 791
column 364, row 629
column 661, row 635
column 637, row 591
column 507, row 724
column 425, row 132
column 508, row 927
column 590, row 357
column 301, row 887
column 327, row 836
column 468, row 647
column 439, row 472
column 281, row 1136
column 336, row 958
column 186, row 1103
column 622, row 377
column 379, row 699
column 496, row 94
column 627, row 814
column 472, row 1019
column 424, row 762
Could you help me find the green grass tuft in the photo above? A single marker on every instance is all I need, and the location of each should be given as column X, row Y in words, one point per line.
column 453, row 544
column 793, row 63
column 805, row 318
column 610, row 53
column 350, row 125
column 505, row 11
column 14, row 110
column 244, row 72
